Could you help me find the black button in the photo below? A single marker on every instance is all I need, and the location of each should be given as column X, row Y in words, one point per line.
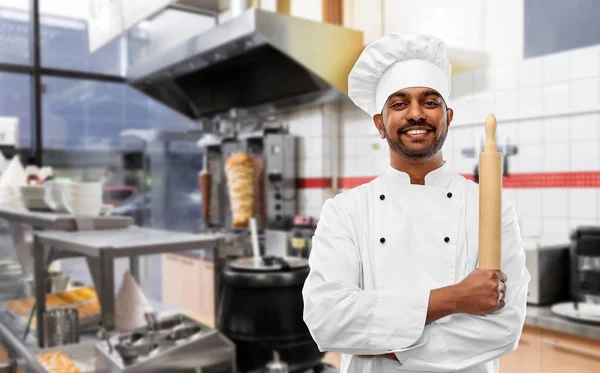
column 449, row 194
column 446, row 239
column 382, row 240
column 382, row 197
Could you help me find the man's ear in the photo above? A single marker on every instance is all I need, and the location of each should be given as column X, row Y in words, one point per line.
column 449, row 116
column 378, row 122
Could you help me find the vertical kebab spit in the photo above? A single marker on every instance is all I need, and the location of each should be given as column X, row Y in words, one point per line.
column 239, row 170
column 490, row 200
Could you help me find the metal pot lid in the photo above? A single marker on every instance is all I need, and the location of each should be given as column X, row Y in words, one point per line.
column 268, row 264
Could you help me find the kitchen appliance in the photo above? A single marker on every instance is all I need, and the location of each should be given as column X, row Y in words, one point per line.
column 584, row 277
column 548, row 264
column 261, row 312
column 61, row 327
column 276, row 366
column 172, row 343
column 275, row 160
column 303, row 231
column 262, row 61
column 585, row 264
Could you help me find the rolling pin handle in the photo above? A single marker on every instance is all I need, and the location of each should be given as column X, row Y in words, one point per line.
column 490, row 133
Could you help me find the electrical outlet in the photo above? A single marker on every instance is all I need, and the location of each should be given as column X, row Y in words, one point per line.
column 9, row 131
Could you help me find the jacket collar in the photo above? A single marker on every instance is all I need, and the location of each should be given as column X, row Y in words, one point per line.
column 438, row 177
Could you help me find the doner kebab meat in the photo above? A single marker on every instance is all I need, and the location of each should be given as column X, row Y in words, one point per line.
column 239, row 170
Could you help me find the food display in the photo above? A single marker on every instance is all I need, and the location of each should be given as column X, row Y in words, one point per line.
column 239, row 170
column 57, row 362
column 62, row 299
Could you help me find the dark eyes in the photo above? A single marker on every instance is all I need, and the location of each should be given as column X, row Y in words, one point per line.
column 426, row 103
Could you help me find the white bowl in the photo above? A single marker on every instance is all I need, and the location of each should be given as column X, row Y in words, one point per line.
column 85, row 206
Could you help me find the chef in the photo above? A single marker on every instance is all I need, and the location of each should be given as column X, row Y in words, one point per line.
column 394, row 282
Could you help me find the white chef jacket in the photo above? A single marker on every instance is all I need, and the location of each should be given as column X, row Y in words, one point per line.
column 378, row 251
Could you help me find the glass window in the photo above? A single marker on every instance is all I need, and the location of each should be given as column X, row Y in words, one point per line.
column 87, row 115
column 84, row 137
column 15, row 107
column 15, row 34
column 65, row 29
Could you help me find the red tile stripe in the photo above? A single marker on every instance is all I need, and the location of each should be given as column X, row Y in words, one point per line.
column 584, row 179
column 314, row 183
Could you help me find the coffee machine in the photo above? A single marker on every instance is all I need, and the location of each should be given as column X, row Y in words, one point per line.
column 585, row 264
column 584, row 277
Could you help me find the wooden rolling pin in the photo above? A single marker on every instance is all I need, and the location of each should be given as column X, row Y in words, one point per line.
column 490, row 200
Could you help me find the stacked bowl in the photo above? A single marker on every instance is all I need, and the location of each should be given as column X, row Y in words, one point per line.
column 85, row 198
column 34, row 198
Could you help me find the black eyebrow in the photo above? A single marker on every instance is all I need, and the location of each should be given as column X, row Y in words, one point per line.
column 430, row 93
column 401, row 94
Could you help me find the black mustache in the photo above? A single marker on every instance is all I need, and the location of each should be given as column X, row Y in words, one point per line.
column 417, row 125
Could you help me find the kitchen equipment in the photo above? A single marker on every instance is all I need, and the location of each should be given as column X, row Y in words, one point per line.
column 584, row 274
column 301, row 238
column 490, row 200
column 548, row 265
column 169, row 343
column 205, row 181
column 276, row 366
column 585, row 264
column 61, row 327
column 261, row 312
column 273, row 152
column 279, row 71
column 56, row 282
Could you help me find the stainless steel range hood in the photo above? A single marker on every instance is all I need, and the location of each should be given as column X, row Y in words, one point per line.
column 257, row 60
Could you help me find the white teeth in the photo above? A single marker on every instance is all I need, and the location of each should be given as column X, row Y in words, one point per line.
column 416, row 132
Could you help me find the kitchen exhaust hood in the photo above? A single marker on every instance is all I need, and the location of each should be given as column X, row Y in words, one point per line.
column 260, row 60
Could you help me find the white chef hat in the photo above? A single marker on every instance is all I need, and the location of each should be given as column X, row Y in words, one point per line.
column 395, row 62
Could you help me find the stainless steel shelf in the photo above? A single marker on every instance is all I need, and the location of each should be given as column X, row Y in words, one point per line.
column 126, row 242
column 101, row 248
column 63, row 222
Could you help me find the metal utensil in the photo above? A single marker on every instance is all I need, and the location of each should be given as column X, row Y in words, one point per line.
column 61, row 327
column 276, row 366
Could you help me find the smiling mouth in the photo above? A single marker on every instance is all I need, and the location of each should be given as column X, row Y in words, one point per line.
column 416, row 132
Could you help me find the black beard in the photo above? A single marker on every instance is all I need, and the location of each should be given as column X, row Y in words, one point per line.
column 398, row 146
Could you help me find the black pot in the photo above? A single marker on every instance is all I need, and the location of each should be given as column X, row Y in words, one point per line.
column 261, row 312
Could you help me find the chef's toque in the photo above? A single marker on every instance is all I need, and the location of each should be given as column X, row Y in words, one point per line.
column 395, row 62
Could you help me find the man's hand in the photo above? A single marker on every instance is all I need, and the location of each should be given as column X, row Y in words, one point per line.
column 476, row 294
column 480, row 291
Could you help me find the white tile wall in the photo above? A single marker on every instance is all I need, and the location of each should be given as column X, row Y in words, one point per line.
column 585, row 127
column 585, row 94
column 555, row 227
column 555, row 68
column 529, row 73
column 585, row 62
column 555, row 203
column 555, row 98
column 585, row 156
column 582, row 203
column 555, row 157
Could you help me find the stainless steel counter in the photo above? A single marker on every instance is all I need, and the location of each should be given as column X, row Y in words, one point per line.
column 543, row 318
column 24, row 351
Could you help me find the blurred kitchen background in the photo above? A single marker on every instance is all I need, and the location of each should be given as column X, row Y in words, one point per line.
column 149, row 96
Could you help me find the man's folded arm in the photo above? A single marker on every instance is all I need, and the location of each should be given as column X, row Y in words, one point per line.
column 463, row 340
column 339, row 314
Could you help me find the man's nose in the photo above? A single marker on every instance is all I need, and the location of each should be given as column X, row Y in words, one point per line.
column 415, row 112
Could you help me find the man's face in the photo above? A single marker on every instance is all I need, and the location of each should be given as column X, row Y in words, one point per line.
column 415, row 122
